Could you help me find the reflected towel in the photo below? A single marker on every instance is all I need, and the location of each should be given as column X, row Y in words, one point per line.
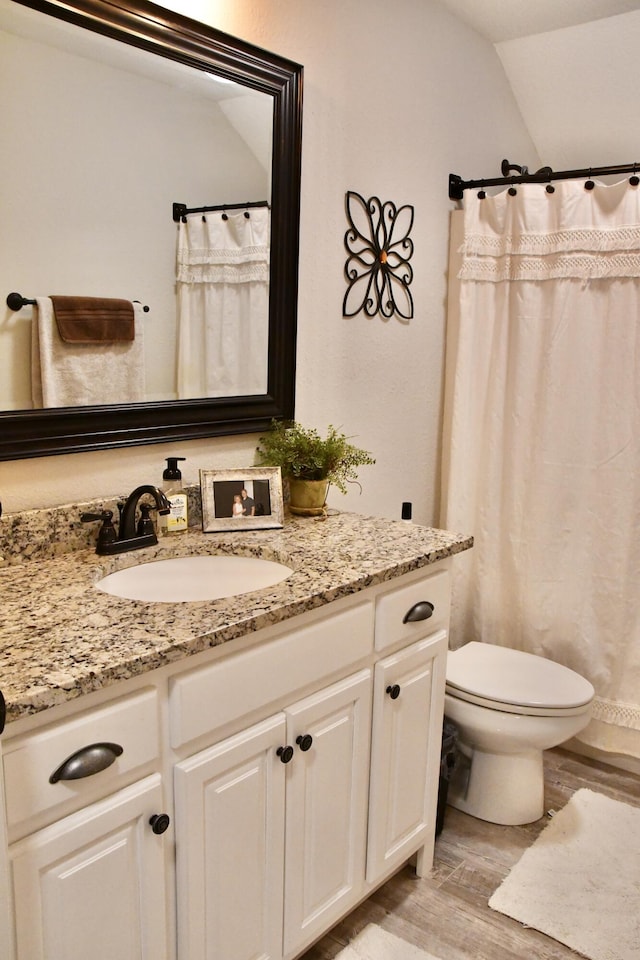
column 83, row 374
column 93, row 319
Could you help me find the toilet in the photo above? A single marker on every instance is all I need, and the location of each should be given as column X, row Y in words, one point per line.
column 508, row 706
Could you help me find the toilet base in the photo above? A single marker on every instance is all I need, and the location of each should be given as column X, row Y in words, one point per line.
column 500, row 788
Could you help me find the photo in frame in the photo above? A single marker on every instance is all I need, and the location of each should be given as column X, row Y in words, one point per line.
column 244, row 499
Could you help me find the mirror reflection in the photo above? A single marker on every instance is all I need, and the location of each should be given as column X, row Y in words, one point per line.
column 99, row 141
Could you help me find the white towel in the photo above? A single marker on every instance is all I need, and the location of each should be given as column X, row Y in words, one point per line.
column 83, row 374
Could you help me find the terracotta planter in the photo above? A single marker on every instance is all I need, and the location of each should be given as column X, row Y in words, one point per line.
column 308, row 497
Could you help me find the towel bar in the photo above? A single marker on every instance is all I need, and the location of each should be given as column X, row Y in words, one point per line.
column 15, row 301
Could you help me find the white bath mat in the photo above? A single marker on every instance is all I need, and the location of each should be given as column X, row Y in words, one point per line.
column 374, row 943
column 580, row 881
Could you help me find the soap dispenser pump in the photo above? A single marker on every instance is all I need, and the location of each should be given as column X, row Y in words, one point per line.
column 177, row 519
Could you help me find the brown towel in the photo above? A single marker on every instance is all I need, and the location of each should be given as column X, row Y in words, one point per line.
column 93, row 319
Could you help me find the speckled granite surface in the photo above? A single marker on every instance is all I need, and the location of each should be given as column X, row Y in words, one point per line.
column 61, row 637
column 54, row 531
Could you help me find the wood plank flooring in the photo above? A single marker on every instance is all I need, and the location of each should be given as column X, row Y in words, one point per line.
column 446, row 913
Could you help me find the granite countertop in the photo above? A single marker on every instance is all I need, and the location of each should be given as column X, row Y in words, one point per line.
column 61, row 638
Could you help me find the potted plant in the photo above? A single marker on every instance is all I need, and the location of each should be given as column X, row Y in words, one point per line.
column 310, row 463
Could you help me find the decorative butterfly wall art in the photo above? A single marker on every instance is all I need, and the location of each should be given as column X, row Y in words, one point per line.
column 379, row 247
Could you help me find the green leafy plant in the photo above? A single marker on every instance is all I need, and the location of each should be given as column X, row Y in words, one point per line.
column 302, row 454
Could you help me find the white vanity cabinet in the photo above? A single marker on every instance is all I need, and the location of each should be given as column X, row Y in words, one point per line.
column 93, row 884
column 298, row 765
column 230, row 846
column 326, row 807
column 85, row 798
column 271, row 854
column 271, row 828
column 405, row 757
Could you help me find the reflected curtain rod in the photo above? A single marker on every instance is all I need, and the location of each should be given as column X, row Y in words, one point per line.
column 457, row 185
column 181, row 210
column 15, row 301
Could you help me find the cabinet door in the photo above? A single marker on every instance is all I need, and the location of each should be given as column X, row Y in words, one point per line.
column 93, row 884
column 408, row 707
column 6, row 924
column 327, row 787
column 230, row 847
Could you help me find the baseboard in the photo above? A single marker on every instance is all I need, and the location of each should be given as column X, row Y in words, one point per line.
column 619, row 760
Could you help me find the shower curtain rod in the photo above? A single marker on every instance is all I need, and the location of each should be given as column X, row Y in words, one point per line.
column 457, row 185
column 181, row 210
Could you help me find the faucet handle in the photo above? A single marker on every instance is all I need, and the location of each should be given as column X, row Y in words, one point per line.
column 107, row 533
column 104, row 515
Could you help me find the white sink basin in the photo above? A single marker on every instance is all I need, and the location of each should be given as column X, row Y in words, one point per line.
column 183, row 579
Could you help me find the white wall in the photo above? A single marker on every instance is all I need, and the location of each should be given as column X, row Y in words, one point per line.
column 396, row 97
column 582, row 108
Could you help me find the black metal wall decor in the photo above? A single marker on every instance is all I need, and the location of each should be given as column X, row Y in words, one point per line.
column 378, row 269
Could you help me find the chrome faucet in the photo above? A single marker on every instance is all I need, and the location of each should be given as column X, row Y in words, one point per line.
column 129, row 536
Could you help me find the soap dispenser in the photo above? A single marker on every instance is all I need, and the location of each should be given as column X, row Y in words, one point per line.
column 177, row 519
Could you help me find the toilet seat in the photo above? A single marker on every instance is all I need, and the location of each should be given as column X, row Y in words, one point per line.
column 513, row 681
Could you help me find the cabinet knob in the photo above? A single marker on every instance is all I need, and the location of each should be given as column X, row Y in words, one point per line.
column 285, row 753
column 419, row 611
column 304, row 741
column 87, row 761
column 160, row 822
column 393, row 691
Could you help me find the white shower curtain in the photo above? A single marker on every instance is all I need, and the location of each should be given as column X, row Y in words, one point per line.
column 542, row 436
column 223, row 303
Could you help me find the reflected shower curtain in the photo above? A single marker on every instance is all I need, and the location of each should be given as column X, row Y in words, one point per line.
column 542, row 437
column 223, row 303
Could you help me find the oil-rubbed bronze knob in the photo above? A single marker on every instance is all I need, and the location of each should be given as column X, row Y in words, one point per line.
column 160, row 822
column 285, row 753
column 304, row 741
column 393, row 691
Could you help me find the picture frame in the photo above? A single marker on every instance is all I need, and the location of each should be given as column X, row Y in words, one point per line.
column 227, row 495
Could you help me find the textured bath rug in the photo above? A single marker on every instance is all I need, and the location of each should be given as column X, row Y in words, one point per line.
column 374, row 943
column 579, row 882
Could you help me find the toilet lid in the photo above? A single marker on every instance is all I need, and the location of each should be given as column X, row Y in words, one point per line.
column 510, row 676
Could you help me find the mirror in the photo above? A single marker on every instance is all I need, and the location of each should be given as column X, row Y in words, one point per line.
column 264, row 88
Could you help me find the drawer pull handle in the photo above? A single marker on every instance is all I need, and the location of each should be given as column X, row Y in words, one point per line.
column 160, row 822
column 419, row 611
column 304, row 741
column 285, row 754
column 393, row 691
column 87, row 761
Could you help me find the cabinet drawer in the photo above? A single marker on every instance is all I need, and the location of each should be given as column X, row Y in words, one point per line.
column 210, row 697
column 130, row 722
column 393, row 607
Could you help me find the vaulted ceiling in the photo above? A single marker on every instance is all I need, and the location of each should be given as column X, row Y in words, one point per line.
column 499, row 20
column 574, row 69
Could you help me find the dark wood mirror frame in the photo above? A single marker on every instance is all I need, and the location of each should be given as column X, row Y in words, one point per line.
column 37, row 433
